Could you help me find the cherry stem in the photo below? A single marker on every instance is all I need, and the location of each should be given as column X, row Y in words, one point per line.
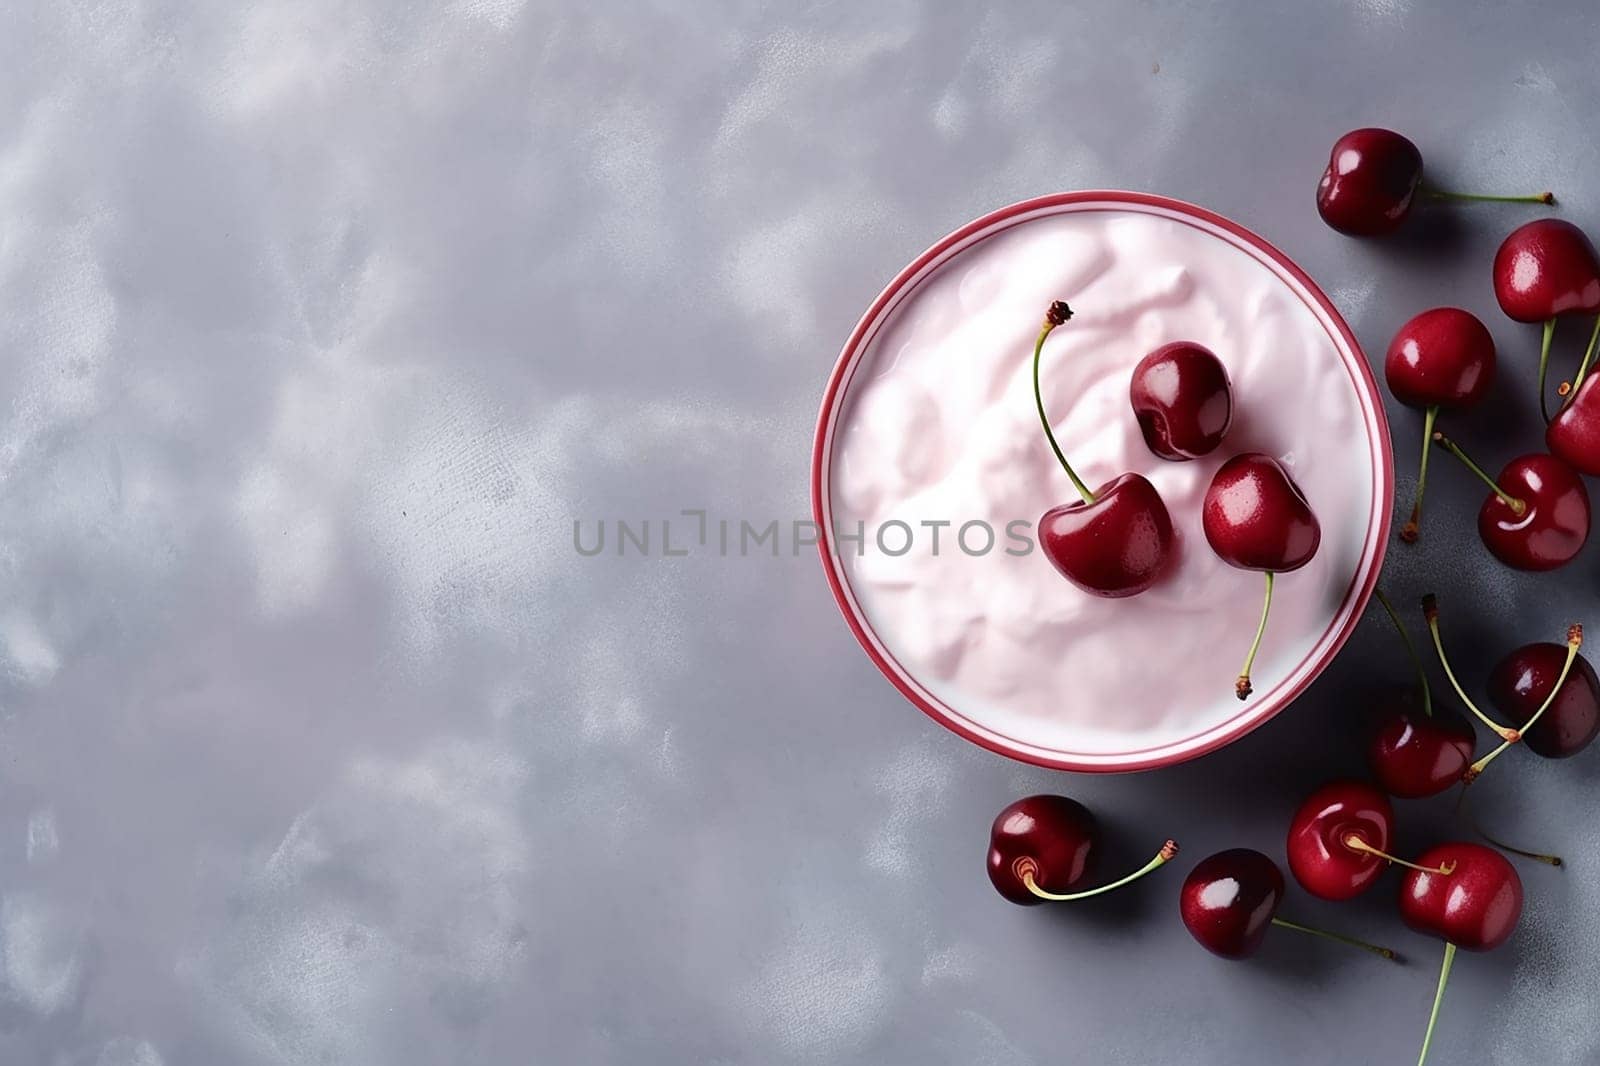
column 1588, row 356
column 1354, row 842
column 1430, row 612
column 1025, row 868
column 1574, row 642
column 1059, row 312
column 1442, row 196
column 1412, row 529
column 1536, row 856
column 1411, row 650
column 1464, row 814
column 1438, row 998
column 1241, row 687
column 1544, row 363
column 1518, row 507
column 1387, row 953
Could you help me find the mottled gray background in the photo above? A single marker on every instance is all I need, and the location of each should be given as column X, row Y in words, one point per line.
column 321, row 321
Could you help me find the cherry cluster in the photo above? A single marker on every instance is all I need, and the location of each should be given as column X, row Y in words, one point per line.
column 1116, row 540
column 1545, row 695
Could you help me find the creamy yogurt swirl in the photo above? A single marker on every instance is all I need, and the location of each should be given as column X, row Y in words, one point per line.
column 938, row 424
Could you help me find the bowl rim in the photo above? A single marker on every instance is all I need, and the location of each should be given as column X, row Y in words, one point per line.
column 1347, row 615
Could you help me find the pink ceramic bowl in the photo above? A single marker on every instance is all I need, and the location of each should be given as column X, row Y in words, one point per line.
column 1365, row 517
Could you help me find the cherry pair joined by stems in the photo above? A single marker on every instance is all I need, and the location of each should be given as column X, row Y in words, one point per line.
column 1549, row 690
column 1373, row 179
column 1422, row 751
column 1040, row 848
column 1231, row 899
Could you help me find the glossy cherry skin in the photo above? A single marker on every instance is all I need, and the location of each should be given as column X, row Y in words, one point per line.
column 1413, row 754
column 1555, row 524
column 1117, row 546
column 1057, row 833
column 1229, row 900
column 1182, row 399
column 1519, row 684
column 1320, row 859
column 1544, row 269
column 1475, row 907
column 1441, row 358
column 1573, row 435
column 1370, row 182
column 1256, row 518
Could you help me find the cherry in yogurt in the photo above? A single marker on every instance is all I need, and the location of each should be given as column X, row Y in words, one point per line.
column 1114, row 542
column 1182, row 399
column 1256, row 518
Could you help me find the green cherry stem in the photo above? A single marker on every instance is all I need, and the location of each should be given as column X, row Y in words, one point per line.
column 1059, row 312
column 1355, row 842
column 1517, row 506
column 1544, row 363
column 1026, row 869
column 1574, row 642
column 1412, row 529
column 1387, row 953
column 1438, row 998
column 1463, row 813
column 1443, row 196
column 1241, row 687
column 1411, row 650
column 1430, row 612
column 1588, row 357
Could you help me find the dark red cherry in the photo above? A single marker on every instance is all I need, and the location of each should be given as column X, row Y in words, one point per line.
column 1182, row 399
column 1573, row 436
column 1370, row 182
column 1553, row 524
column 1475, row 906
column 1052, row 836
column 1229, row 900
column 1116, row 546
column 1545, row 269
column 1441, row 358
column 1519, row 685
column 1333, row 838
column 1467, row 895
column 1414, row 754
column 1040, row 846
column 1256, row 518
column 1114, row 541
